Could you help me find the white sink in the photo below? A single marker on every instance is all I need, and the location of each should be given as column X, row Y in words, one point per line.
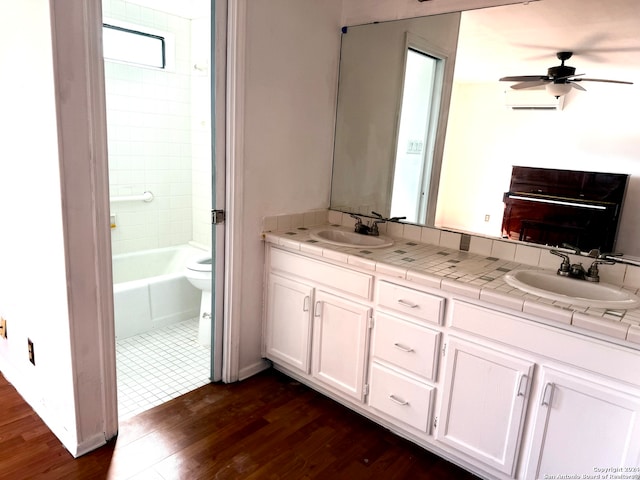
column 572, row 291
column 350, row 239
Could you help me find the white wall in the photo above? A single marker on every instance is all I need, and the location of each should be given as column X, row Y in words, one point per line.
column 292, row 50
column 595, row 131
column 54, row 225
column 33, row 288
column 292, row 57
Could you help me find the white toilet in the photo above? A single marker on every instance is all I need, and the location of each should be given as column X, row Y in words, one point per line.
column 198, row 272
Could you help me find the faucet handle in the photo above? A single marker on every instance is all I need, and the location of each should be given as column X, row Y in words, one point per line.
column 358, row 219
column 359, row 226
column 594, row 253
column 568, row 246
column 607, row 255
column 565, row 267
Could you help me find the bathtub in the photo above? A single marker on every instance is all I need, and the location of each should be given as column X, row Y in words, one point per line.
column 151, row 291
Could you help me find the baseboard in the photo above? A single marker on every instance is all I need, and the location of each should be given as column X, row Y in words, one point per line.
column 90, row 444
column 252, row 370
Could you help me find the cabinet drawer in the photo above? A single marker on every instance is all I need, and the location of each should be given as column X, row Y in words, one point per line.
column 342, row 279
column 406, row 345
column 412, row 302
column 400, row 397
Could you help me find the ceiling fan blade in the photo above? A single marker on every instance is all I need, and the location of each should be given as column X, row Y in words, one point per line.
column 524, row 78
column 521, row 85
column 569, row 76
column 601, row 80
column 576, row 86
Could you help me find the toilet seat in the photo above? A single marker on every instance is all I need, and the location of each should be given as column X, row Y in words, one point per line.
column 201, row 265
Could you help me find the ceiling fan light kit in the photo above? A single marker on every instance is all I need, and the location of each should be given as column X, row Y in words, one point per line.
column 558, row 89
column 559, row 79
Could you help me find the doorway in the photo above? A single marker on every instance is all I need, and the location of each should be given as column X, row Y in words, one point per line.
column 159, row 128
column 417, row 128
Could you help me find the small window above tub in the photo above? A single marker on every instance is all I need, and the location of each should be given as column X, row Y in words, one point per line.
column 132, row 46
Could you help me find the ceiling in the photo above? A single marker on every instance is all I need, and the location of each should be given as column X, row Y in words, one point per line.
column 523, row 39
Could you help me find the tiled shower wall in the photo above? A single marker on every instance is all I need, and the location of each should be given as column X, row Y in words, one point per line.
column 151, row 139
column 201, row 130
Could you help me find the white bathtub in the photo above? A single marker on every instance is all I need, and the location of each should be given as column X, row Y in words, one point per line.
column 151, row 291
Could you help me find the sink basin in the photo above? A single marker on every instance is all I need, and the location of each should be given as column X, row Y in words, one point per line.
column 350, row 239
column 572, row 291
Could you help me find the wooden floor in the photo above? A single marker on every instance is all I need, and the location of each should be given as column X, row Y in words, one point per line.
column 267, row 427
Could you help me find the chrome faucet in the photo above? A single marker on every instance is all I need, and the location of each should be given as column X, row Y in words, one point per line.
column 576, row 270
column 371, row 228
column 359, row 226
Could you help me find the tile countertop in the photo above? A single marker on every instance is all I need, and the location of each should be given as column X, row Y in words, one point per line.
column 466, row 274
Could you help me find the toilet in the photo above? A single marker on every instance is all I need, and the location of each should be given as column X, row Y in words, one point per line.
column 198, row 272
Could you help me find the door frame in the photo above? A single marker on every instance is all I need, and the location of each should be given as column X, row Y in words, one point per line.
column 83, row 139
column 234, row 67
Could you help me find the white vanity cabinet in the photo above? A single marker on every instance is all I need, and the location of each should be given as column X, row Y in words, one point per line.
column 582, row 424
column 483, row 404
column 580, row 416
column 340, row 341
column 404, row 354
column 288, row 331
column 318, row 320
column 504, row 393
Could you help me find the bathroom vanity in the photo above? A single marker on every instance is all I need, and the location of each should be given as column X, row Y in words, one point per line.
column 431, row 343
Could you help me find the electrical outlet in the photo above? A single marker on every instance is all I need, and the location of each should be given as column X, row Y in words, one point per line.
column 3, row 328
column 32, row 355
column 487, row 217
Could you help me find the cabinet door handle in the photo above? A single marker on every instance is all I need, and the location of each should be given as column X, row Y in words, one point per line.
column 406, row 303
column 522, row 385
column 305, row 304
column 547, row 395
column 397, row 400
column 399, row 346
column 317, row 311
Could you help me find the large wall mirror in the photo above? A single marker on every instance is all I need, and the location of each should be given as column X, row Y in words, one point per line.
column 479, row 138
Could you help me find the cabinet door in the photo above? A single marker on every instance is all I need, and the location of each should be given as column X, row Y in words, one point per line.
column 288, row 332
column 483, row 404
column 582, row 426
column 340, row 337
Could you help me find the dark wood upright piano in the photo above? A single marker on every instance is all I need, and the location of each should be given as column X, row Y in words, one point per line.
column 552, row 207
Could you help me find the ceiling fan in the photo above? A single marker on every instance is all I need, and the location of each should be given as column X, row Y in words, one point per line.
column 559, row 79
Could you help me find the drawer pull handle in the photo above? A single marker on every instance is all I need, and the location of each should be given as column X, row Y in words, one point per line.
column 522, row 385
column 397, row 400
column 406, row 303
column 305, row 304
column 399, row 346
column 547, row 395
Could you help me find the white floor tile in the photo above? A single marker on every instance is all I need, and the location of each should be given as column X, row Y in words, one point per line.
column 156, row 366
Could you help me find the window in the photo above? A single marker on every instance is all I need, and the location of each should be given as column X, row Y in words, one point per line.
column 132, row 46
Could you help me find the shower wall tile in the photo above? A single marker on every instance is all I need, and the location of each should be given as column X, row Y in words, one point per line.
column 151, row 141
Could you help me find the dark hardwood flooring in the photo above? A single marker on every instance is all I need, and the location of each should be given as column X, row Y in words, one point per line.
column 267, row 427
